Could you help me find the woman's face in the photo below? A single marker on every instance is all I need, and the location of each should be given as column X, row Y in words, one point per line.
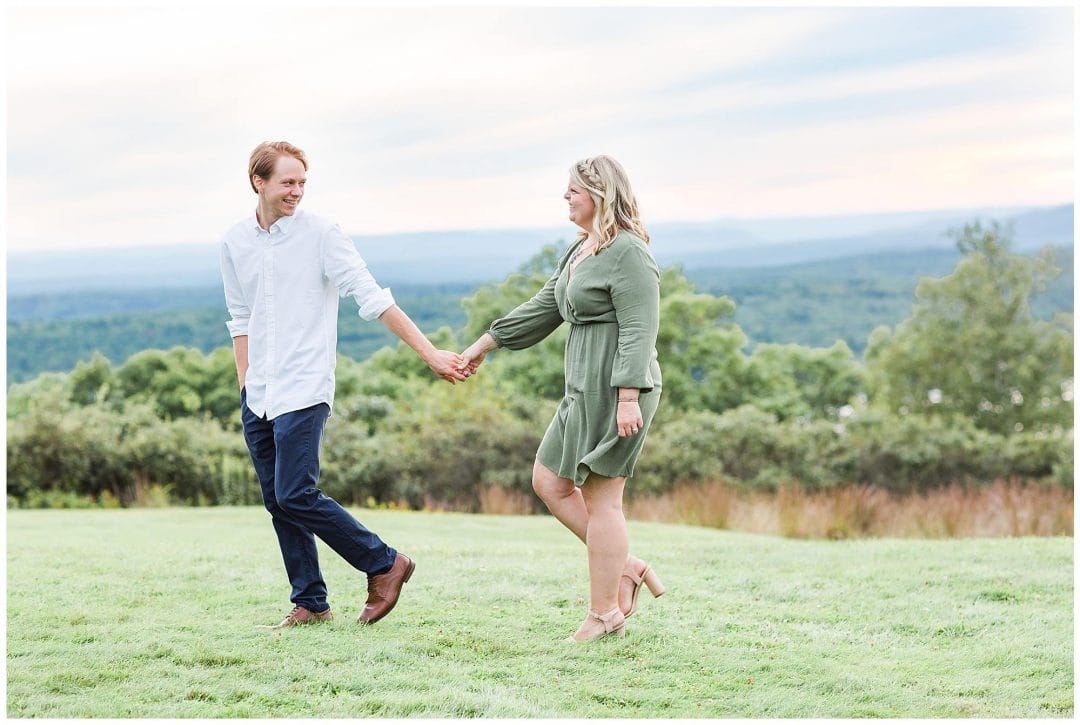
column 582, row 209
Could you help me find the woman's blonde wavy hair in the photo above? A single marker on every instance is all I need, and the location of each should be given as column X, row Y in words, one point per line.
column 616, row 208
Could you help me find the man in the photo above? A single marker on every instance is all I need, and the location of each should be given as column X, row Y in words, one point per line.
column 283, row 270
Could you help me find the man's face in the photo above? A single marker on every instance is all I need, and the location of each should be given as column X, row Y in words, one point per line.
column 282, row 192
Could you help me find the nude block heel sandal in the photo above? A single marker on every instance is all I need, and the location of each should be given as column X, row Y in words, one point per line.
column 649, row 579
column 652, row 581
column 614, row 623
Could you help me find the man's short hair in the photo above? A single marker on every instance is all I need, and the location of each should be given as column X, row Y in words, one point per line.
column 265, row 156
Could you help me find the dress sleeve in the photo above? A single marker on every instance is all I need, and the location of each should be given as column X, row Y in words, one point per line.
column 532, row 321
column 635, row 294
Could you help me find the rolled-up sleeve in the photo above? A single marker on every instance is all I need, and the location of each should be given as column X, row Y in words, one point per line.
column 348, row 272
column 635, row 294
column 239, row 311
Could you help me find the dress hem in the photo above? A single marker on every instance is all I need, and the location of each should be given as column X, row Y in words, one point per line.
column 555, row 469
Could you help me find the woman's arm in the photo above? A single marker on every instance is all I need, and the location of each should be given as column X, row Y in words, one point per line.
column 526, row 325
column 628, row 412
column 474, row 354
column 529, row 322
column 635, row 294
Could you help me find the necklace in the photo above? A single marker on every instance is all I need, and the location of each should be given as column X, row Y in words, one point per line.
column 581, row 253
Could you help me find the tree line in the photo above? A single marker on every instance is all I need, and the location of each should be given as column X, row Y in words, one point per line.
column 815, row 303
column 970, row 388
column 811, row 303
column 53, row 333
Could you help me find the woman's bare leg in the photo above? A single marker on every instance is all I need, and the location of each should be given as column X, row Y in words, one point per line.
column 563, row 499
column 608, row 545
column 566, row 503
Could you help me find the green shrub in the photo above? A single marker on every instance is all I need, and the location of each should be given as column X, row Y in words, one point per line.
column 438, row 448
column 53, row 499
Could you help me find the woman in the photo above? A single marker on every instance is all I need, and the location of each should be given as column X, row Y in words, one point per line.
column 607, row 286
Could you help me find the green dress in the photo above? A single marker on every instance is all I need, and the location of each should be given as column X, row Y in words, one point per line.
column 612, row 303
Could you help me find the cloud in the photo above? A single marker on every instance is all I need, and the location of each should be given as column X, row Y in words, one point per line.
column 138, row 122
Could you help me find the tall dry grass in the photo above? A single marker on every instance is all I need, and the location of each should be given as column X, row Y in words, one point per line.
column 1004, row 508
column 498, row 500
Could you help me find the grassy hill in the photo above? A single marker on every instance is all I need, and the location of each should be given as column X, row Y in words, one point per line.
column 153, row 613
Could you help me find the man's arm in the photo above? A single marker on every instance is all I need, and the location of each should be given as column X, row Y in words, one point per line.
column 444, row 363
column 240, row 351
column 348, row 272
column 239, row 313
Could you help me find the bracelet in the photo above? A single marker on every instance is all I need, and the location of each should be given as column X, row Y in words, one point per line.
column 628, row 400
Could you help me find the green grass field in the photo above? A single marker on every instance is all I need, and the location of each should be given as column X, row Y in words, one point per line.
column 153, row 613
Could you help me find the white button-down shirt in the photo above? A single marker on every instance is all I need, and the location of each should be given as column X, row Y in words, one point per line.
column 281, row 288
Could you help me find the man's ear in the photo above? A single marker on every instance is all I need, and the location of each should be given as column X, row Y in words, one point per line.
column 258, row 182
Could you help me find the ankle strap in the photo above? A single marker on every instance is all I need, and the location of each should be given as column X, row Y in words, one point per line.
column 607, row 618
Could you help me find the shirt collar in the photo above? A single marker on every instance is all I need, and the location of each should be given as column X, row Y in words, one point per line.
column 282, row 225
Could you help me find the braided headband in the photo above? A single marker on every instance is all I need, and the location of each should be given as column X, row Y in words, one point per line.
column 585, row 168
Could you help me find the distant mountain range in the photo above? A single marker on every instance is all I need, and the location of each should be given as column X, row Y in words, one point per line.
column 478, row 256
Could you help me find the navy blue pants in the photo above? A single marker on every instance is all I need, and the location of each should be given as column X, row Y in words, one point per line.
column 285, row 452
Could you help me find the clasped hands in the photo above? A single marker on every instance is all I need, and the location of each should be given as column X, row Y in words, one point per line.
column 453, row 368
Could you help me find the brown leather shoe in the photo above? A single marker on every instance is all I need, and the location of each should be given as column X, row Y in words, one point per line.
column 383, row 590
column 302, row 615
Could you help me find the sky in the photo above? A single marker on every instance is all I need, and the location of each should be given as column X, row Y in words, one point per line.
column 130, row 126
